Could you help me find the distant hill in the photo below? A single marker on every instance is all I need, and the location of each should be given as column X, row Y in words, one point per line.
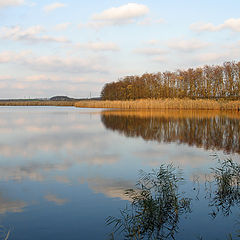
column 66, row 98
column 61, row 98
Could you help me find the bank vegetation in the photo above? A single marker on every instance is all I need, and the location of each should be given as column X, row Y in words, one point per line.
column 174, row 103
column 208, row 82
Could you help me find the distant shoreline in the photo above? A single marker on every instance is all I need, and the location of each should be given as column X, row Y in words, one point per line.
column 177, row 104
column 36, row 103
column 54, row 101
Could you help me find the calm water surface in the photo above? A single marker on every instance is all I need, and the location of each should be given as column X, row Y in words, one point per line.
column 63, row 171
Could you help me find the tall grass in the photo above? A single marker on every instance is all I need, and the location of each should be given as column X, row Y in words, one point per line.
column 174, row 103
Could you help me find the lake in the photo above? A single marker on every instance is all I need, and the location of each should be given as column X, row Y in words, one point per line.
column 66, row 172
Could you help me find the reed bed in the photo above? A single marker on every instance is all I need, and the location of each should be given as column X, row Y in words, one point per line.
column 187, row 104
column 37, row 103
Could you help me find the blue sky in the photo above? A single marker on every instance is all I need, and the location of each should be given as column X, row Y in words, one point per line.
column 72, row 47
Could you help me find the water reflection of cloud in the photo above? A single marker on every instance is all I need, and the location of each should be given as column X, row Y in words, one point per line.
column 62, row 179
column 32, row 171
column 40, row 171
column 59, row 142
column 102, row 160
column 168, row 153
column 152, row 153
column 30, row 146
column 53, row 198
column 190, row 159
column 113, row 188
column 32, row 122
column 7, row 205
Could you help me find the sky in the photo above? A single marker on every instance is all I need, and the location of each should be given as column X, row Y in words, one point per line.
column 74, row 47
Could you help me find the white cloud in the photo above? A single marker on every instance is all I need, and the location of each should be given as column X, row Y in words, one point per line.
column 53, row 6
column 5, row 57
column 229, row 53
column 49, row 78
column 128, row 11
column 9, row 56
column 150, row 51
column 99, row 46
column 224, row 52
column 200, row 27
column 62, row 26
column 16, row 32
column 187, row 45
column 231, row 24
column 119, row 15
column 70, row 65
column 9, row 3
column 31, row 34
column 35, row 78
column 46, row 38
column 212, row 57
column 53, row 63
column 5, row 77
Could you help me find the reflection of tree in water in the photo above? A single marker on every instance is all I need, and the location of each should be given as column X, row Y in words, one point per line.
column 215, row 132
column 156, row 206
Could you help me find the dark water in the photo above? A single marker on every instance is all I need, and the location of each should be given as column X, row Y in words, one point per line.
column 65, row 171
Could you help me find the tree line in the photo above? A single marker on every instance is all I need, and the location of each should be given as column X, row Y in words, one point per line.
column 202, row 82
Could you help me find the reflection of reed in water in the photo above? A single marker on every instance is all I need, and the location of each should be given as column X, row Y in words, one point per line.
column 210, row 130
column 225, row 192
column 157, row 204
column 4, row 233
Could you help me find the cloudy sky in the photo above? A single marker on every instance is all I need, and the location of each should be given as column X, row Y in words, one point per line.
column 71, row 47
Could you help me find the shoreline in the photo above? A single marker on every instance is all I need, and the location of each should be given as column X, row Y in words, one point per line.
column 141, row 104
column 37, row 103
